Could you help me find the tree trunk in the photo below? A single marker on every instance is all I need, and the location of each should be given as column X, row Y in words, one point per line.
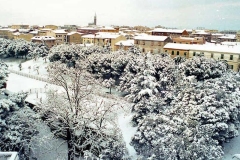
column 70, row 145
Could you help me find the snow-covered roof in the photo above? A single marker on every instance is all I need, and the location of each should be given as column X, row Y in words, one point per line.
column 46, row 29
column 34, row 32
column 88, row 36
column 205, row 47
column 107, row 28
column 71, row 33
column 60, row 31
column 43, row 38
column 151, row 38
column 168, row 30
column 231, row 43
column 24, row 30
column 229, row 36
column 217, row 34
column 102, row 36
column 201, row 32
column 16, row 34
column 88, row 28
column 8, row 29
column 125, row 43
column 141, row 34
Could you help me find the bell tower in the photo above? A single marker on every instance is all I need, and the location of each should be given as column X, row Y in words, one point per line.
column 95, row 19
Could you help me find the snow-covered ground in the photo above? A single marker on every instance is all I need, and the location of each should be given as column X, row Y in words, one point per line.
column 18, row 83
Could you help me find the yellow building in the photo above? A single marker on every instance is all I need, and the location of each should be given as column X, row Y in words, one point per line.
column 189, row 40
column 103, row 39
column 7, row 33
column 47, row 40
column 26, row 36
column 74, row 38
column 152, row 44
column 52, row 27
column 238, row 36
column 60, row 35
column 125, row 44
column 21, row 26
column 219, row 52
column 109, row 30
column 174, row 50
column 44, row 32
column 88, row 39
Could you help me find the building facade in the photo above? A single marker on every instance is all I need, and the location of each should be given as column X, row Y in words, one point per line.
column 231, row 54
column 103, row 39
column 152, row 44
column 59, row 35
column 74, row 38
column 169, row 32
column 189, row 40
column 47, row 40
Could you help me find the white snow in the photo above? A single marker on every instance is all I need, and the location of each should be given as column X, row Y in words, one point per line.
column 18, row 83
column 127, row 131
column 204, row 47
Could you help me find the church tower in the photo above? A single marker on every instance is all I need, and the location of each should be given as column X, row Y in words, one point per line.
column 95, row 19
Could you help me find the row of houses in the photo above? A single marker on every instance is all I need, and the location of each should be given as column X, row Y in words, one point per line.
column 175, row 42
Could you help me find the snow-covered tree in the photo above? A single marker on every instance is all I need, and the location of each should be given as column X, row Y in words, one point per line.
column 203, row 68
column 199, row 119
column 3, row 74
column 17, row 125
column 3, row 47
column 78, row 116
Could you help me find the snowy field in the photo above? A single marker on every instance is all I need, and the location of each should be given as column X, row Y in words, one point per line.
column 18, row 83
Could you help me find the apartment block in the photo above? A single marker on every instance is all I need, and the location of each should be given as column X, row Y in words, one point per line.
column 230, row 53
column 152, row 44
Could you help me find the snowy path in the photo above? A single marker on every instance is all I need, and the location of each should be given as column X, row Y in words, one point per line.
column 127, row 131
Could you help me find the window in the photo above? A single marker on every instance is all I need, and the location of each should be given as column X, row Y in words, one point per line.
column 136, row 41
column 159, row 43
column 194, row 53
column 177, row 53
column 185, row 54
column 152, row 43
column 211, row 55
column 231, row 57
column 172, row 52
column 151, row 51
column 222, row 56
column 230, row 66
column 166, row 52
column 143, row 42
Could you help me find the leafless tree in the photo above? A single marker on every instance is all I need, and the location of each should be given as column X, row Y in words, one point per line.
column 76, row 114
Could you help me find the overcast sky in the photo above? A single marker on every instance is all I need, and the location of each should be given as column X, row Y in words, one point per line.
column 189, row 14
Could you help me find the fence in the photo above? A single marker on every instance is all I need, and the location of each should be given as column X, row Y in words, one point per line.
column 43, row 79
